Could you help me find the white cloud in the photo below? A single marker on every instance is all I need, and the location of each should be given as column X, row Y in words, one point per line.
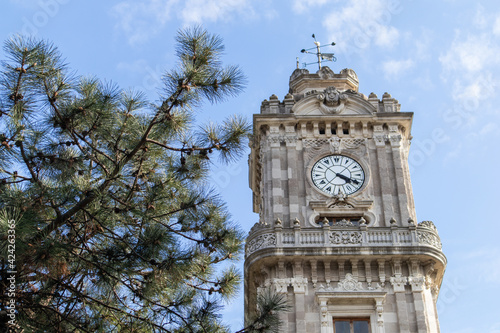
column 359, row 23
column 471, row 90
column 27, row 3
column 300, row 6
column 395, row 68
column 142, row 19
column 453, row 154
column 496, row 26
column 386, row 36
column 488, row 128
column 470, row 64
column 422, row 45
column 471, row 54
column 139, row 20
column 480, row 19
column 486, row 261
column 198, row 11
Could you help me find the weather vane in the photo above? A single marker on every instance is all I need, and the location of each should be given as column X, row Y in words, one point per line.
column 319, row 54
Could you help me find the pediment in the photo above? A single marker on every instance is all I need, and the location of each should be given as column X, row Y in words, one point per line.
column 333, row 102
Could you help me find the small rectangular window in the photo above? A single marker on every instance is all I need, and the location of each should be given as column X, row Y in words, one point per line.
column 351, row 325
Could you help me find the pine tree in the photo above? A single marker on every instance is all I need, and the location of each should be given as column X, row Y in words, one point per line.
column 116, row 228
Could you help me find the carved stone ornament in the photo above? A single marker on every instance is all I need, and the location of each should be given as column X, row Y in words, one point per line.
column 343, row 223
column 417, row 283
column 335, row 145
column 353, row 143
column 299, row 284
column 398, row 283
column 429, row 238
column 345, row 237
column 428, row 225
column 341, row 201
column 427, row 233
column 280, row 285
column 331, row 100
column 349, row 283
column 261, row 241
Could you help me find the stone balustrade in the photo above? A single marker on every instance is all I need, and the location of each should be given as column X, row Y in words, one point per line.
column 264, row 237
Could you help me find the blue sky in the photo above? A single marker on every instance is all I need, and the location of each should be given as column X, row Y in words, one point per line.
column 438, row 58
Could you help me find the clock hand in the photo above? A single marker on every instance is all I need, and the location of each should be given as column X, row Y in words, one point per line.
column 347, row 179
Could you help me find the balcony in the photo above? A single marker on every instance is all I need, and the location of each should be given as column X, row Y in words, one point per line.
column 415, row 239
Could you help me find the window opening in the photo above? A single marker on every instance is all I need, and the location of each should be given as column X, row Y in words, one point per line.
column 346, row 325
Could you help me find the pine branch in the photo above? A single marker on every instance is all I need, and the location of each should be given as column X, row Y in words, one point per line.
column 118, row 230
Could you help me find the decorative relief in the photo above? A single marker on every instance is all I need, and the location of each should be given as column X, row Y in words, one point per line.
column 380, row 139
column 335, row 145
column 429, row 238
column 324, row 314
column 261, row 241
column 393, row 128
column 395, row 140
column 417, row 283
column 290, row 138
column 341, row 204
column 350, row 283
column 340, row 201
column 315, row 143
column 345, row 237
column 353, row 143
column 314, row 147
column 299, row 284
column 275, row 139
column 398, row 283
column 343, row 223
column 428, row 225
column 331, row 100
column 428, row 234
column 280, row 286
column 326, row 73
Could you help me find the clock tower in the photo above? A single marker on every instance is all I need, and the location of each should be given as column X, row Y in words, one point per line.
column 337, row 231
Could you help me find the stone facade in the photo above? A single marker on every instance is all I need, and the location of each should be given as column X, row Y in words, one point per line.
column 337, row 255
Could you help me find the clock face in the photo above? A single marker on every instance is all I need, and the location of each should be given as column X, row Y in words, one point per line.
column 334, row 173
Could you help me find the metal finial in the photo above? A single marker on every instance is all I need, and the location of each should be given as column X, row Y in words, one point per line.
column 319, row 54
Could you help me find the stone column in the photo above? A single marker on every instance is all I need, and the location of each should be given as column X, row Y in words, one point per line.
column 417, row 288
column 404, row 209
column 398, row 283
column 379, row 307
column 385, row 177
column 292, row 172
column 276, row 188
column 324, row 316
column 299, row 284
